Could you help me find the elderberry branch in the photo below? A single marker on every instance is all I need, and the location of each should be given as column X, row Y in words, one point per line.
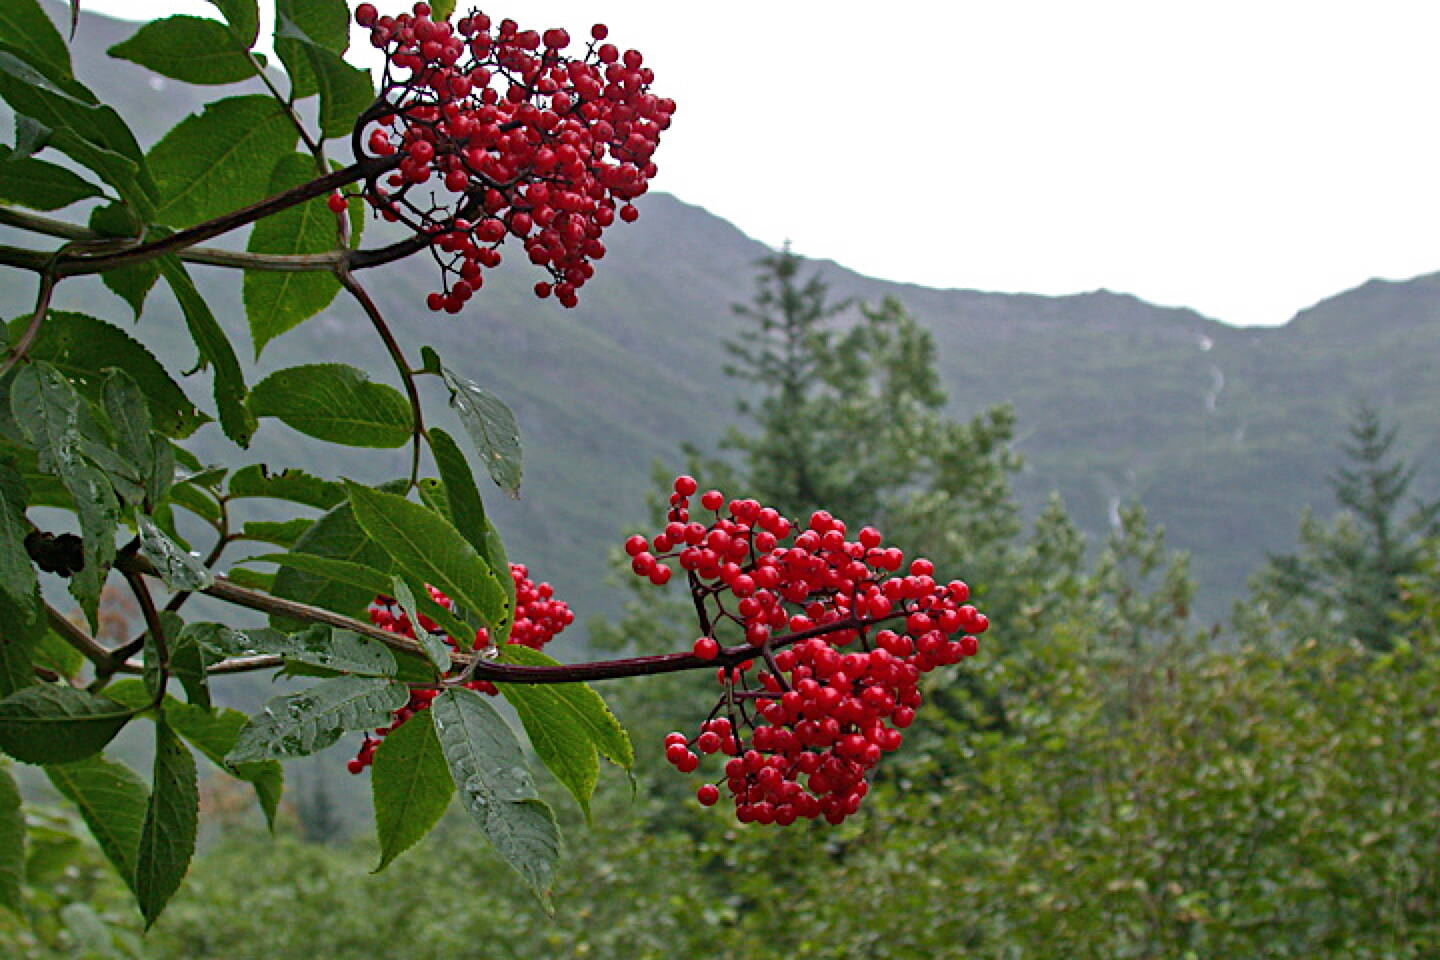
column 48, row 280
column 155, row 628
column 85, row 644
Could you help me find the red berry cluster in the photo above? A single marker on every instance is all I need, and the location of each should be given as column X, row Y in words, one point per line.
column 836, row 638
column 498, row 132
column 538, row 618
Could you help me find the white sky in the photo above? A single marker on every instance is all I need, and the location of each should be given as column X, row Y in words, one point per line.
column 1242, row 157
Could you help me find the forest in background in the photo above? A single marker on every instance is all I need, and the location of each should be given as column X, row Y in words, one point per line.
column 1105, row 780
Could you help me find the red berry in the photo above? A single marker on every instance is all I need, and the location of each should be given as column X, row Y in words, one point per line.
column 707, row 795
column 706, row 648
column 336, row 203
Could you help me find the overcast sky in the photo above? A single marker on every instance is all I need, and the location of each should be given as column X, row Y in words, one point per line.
column 1244, row 158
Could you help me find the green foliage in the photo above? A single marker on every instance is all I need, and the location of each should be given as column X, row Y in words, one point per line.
column 298, row 724
column 167, row 837
column 277, row 302
column 1345, row 579
column 489, row 771
column 192, row 49
column 334, row 402
column 411, row 786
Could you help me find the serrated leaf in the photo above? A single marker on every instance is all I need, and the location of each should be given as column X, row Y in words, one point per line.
column 112, row 801
column 338, row 536
column 88, row 132
column 128, row 413
column 215, row 350
column 252, row 579
column 583, row 703
column 214, row 733
column 345, row 91
column 282, row 533
column 301, row 723
column 410, row 784
column 133, row 284
column 243, row 17
column 152, row 675
column 220, row 160
column 48, row 409
column 196, row 501
column 462, row 500
column 425, row 546
column 277, row 301
column 488, row 767
column 20, row 638
column 12, row 844
column 433, row 646
column 175, row 565
column 318, row 645
column 24, row 24
column 442, row 10
column 322, row 22
column 17, row 574
column 48, row 723
column 335, row 402
column 167, row 838
column 365, row 577
column 190, row 49
column 293, row 485
column 492, row 429
column 187, row 664
column 40, row 185
column 459, row 630
column 557, row 737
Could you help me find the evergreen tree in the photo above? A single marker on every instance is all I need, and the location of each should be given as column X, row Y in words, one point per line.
column 1344, row 581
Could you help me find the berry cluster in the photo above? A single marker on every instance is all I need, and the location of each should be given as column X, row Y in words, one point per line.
column 499, row 133
column 836, row 638
column 538, row 618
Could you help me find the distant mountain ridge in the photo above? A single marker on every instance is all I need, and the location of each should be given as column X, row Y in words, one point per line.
column 1224, row 433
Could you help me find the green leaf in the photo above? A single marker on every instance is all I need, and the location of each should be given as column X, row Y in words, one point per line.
column 583, row 703
column 89, row 133
column 243, row 17
column 462, row 500
column 187, row 664
column 335, row 402
column 558, row 738
column 23, row 24
column 297, row 486
column 197, row 502
column 345, row 91
column 220, row 160
column 128, row 413
column 428, row 548
column 112, row 801
column 434, row 647
column 318, row 645
column 40, row 185
column 442, row 9
column 301, row 723
column 410, row 784
column 214, row 733
column 176, row 566
column 84, row 348
column 462, row 633
column 12, row 843
column 17, row 574
column 55, row 654
column 49, row 411
column 215, row 349
column 488, row 767
column 277, row 301
column 252, row 579
column 367, row 578
column 338, row 536
column 325, row 23
column 133, row 284
column 49, row 723
column 192, row 49
column 491, row 427
column 20, row 639
column 282, row 533
column 167, row 838
column 171, row 624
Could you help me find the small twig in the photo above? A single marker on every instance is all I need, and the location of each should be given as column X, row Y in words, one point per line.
column 156, row 630
column 377, row 320
column 48, row 280
column 78, row 638
column 245, row 664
